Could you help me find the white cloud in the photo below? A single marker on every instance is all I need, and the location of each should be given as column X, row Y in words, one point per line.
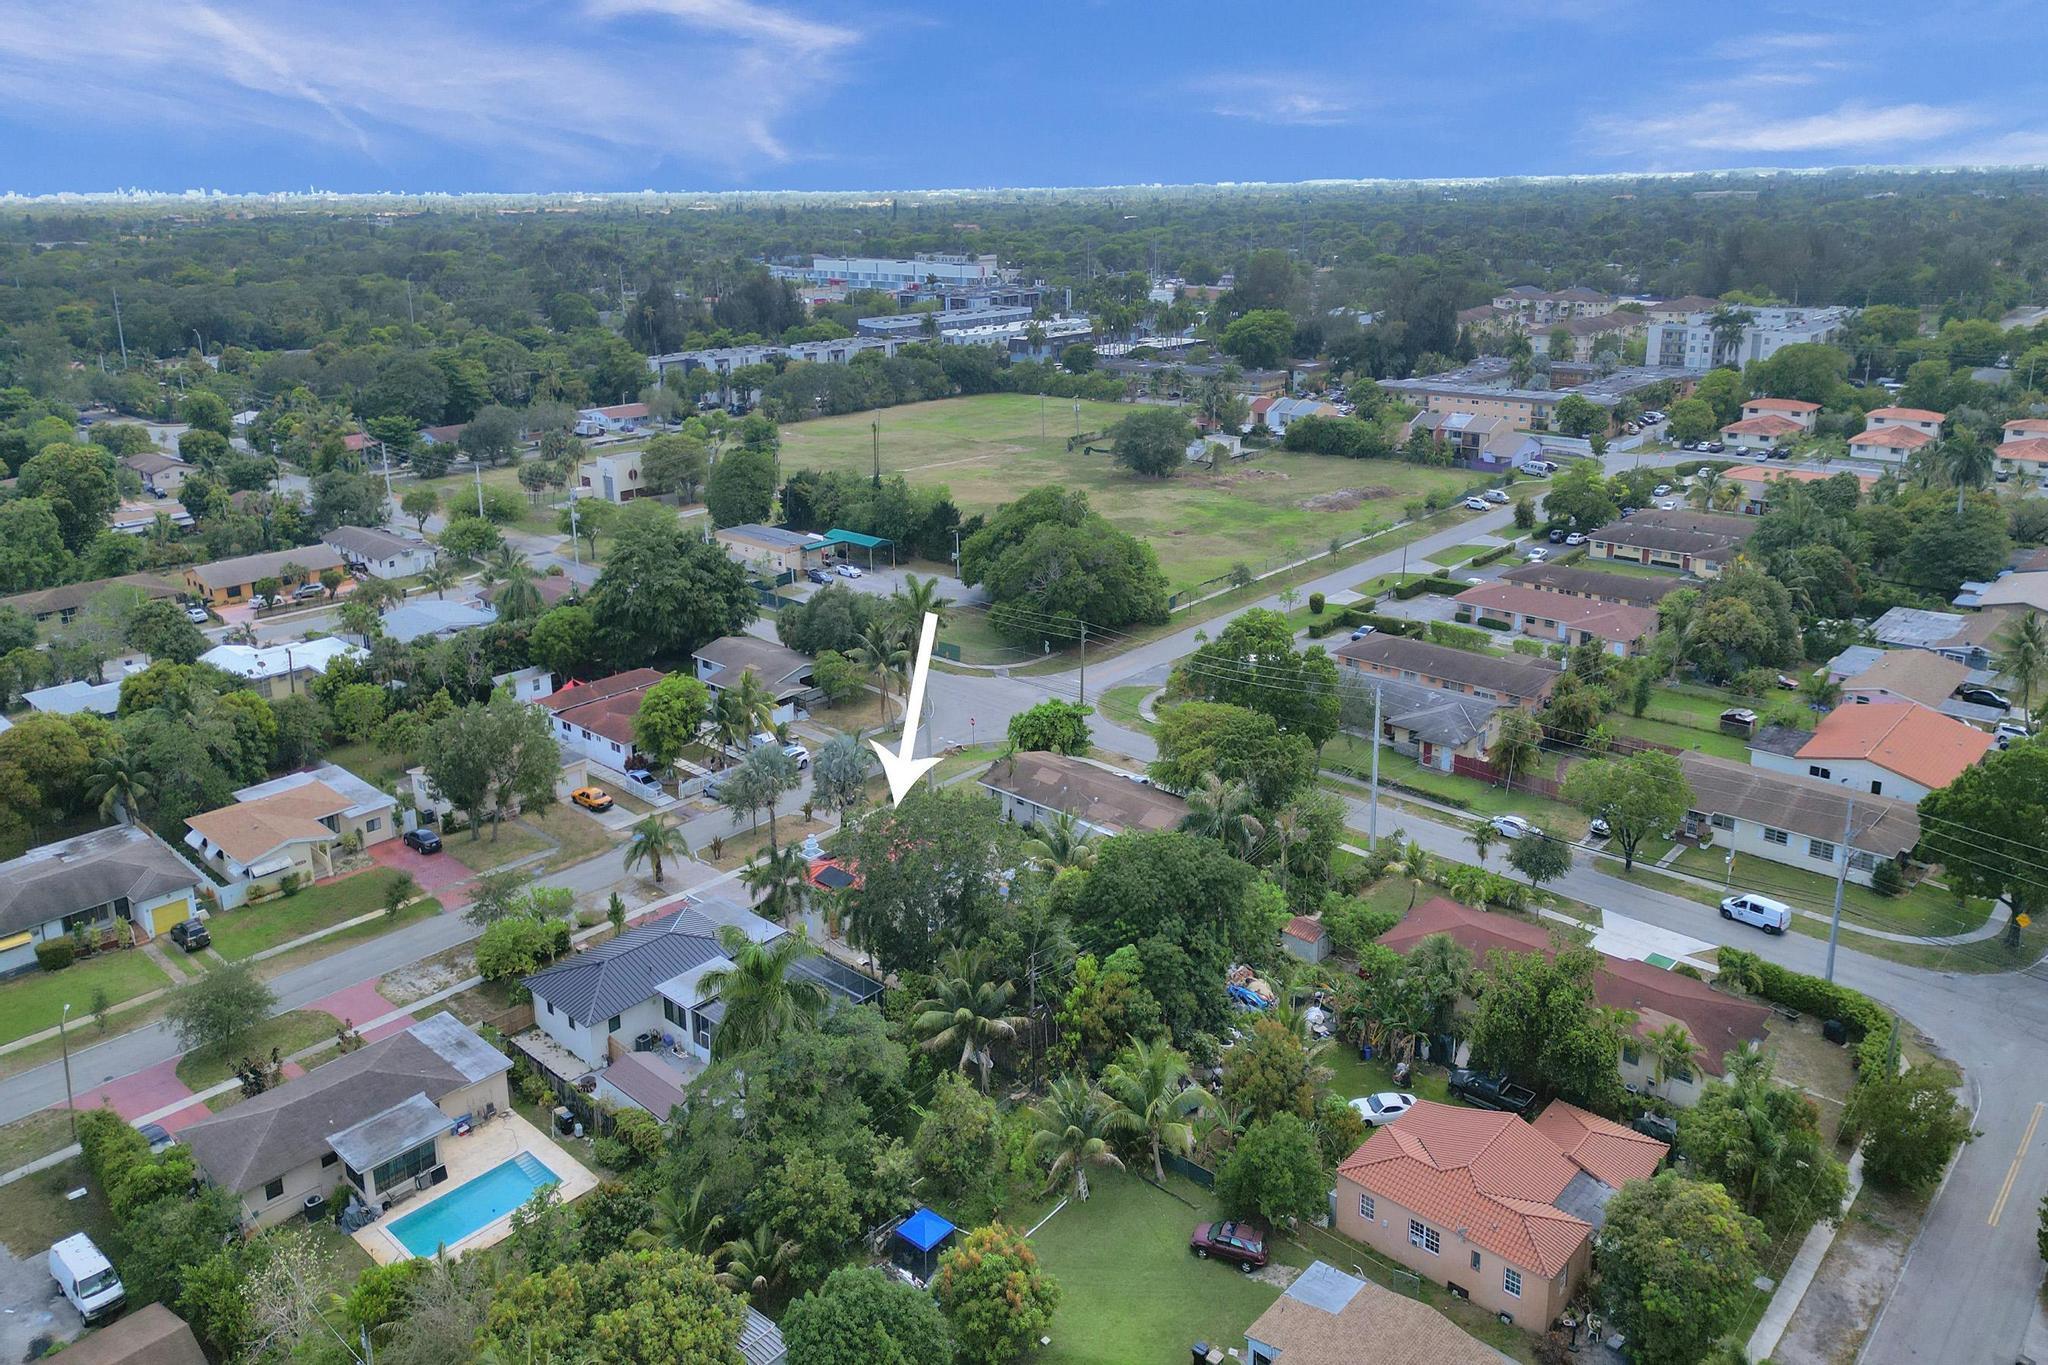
column 693, row 80
column 1280, row 98
column 1731, row 127
column 1751, row 46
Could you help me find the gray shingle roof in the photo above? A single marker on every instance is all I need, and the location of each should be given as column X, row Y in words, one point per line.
column 1685, row 533
column 1089, row 793
column 1610, row 587
column 228, row 573
column 283, row 1129
column 616, row 975
column 1803, row 805
column 90, row 869
column 1446, row 718
column 1510, row 676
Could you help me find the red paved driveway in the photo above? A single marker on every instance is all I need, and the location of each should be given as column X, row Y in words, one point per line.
column 357, row 1005
column 136, row 1095
column 431, row 871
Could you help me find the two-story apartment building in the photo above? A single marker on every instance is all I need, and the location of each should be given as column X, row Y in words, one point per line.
column 1034, row 785
column 1891, row 748
column 1499, row 1210
column 1511, row 680
column 377, row 1119
column 1767, row 423
column 1557, row 619
column 95, row 882
column 1487, row 444
column 230, row 582
column 1697, row 543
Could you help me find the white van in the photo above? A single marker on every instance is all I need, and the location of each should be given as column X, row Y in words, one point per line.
column 87, row 1277
column 1773, row 917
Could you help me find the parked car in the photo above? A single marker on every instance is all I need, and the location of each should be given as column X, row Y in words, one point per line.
column 1556, row 535
column 1475, row 504
column 1667, row 505
column 1513, row 827
column 1482, row 1091
column 1599, row 828
column 1984, row 696
column 2008, row 730
column 1384, row 1107
column 197, row 615
column 1658, row 1126
column 1688, row 445
column 1771, row 916
column 191, row 935
column 714, row 788
column 423, row 841
column 1363, row 631
column 800, row 754
column 157, row 1136
column 846, row 570
column 1660, row 490
column 1714, row 447
column 761, row 739
column 1495, row 495
column 817, row 575
column 592, row 798
column 87, row 1277
column 307, row 591
column 1537, row 554
column 1242, row 1243
column 1575, row 539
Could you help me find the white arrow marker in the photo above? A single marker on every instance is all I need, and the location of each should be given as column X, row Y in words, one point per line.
column 903, row 770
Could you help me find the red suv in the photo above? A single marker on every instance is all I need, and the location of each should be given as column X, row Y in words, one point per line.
column 1243, row 1242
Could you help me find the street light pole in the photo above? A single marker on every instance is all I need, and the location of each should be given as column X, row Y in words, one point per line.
column 64, row 1042
column 1841, row 884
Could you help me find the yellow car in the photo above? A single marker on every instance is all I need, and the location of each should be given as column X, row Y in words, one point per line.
column 592, row 798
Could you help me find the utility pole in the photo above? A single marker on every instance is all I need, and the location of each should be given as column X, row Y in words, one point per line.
column 575, row 554
column 1841, row 883
column 119, row 331
column 1081, row 691
column 876, row 427
column 64, row 1042
column 1372, row 820
column 409, row 318
column 478, row 466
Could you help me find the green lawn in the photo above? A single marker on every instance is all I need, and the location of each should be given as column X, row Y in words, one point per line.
column 379, row 767
column 35, row 1000
column 1630, row 569
column 41, row 1133
column 1120, row 706
column 1924, row 909
column 35, row 1213
column 1353, row 756
column 1680, row 736
column 285, row 1032
column 490, row 849
column 1457, row 554
column 252, row 928
column 987, row 450
column 1130, row 1289
column 1351, row 1078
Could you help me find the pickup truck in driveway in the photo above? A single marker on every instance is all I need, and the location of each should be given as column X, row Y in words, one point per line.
column 1491, row 1092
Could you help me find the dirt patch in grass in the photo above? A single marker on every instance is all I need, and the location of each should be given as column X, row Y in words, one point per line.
column 1831, row 1322
column 418, row 980
column 1344, row 499
column 1817, row 1067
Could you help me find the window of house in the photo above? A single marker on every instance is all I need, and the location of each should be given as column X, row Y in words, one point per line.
column 1820, row 848
column 1475, row 1260
column 1631, row 1054
column 1815, row 770
column 1861, row 861
column 1776, row 836
column 1511, row 1281
column 373, row 824
column 1876, row 787
column 405, row 1166
column 275, row 1189
column 613, row 1026
column 1365, row 1207
column 1425, row 1237
column 328, row 1159
column 1721, row 821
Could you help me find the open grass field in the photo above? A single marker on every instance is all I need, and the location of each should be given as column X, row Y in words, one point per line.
column 35, row 1000
column 987, row 450
column 252, row 928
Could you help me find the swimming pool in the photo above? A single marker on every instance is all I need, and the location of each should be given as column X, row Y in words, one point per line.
column 475, row 1205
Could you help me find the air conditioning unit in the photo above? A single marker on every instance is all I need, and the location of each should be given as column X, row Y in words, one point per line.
column 423, row 1180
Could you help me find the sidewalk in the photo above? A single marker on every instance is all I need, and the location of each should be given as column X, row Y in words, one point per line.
column 1799, row 1275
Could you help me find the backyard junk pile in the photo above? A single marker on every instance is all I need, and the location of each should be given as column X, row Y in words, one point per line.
column 1247, row 990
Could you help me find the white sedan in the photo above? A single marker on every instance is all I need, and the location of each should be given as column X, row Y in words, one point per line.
column 846, row 570
column 1513, row 827
column 1384, row 1107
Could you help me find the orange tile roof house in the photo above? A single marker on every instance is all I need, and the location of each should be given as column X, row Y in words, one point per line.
column 1755, row 481
column 1766, row 430
column 2022, row 428
column 291, row 824
column 1890, row 444
column 2025, row 455
column 1559, row 619
column 1484, row 1203
column 1718, row 1022
column 1891, row 748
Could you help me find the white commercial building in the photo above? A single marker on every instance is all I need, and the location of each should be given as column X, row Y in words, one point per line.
column 1693, row 345
column 876, row 272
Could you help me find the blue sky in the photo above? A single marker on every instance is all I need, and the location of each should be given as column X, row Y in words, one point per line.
column 520, row 95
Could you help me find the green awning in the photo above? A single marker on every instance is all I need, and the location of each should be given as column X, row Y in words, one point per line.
column 836, row 536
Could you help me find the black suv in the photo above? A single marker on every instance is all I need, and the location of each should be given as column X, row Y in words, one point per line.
column 191, row 935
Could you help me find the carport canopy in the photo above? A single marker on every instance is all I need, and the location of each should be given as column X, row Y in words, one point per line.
column 840, row 536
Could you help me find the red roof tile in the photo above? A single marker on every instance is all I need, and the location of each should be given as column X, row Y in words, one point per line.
column 1766, row 425
column 1908, row 414
column 1306, row 929
column 1610, row 1153
column 1904, row 438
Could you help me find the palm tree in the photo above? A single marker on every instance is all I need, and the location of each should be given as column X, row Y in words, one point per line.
column 680, row 1219
column 763, row 997
column 1674, row 1053
column 1073, row 1125
column 1417, row 865
column 777, row 878
column 1059, row 843
column 755, row 1262
column 1704, row 487
column 1968, row 463
column 968, row 1011
column 742, row 709
column 1148, row 1085
column 1822, row 692
column 2023, row 654
column 880, row 652
column 440, row 576
column 1223, row 810
column 655, row 842
column 1483, row 836
column 918, row 598
column 120, row 786
column 1728, row 324
column 519, row 598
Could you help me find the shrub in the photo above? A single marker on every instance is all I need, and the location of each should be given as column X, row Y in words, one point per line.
column 1886, row 879
column 55, row 954
column 1457, row 637
column 1869, row 1023
column 1315, row 604
column 1318, row 629
column 1491, row 623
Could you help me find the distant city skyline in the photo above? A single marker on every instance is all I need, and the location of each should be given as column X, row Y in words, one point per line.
column 708, row 95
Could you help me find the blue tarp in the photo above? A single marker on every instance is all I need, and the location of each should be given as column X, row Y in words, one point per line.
column 924, row 1230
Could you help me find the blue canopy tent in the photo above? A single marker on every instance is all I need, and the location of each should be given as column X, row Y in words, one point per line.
column 918, row 1243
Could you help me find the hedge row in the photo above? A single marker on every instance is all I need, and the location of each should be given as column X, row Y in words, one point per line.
column 1436, row 583
column 1487, row 557
column 1869, row 1023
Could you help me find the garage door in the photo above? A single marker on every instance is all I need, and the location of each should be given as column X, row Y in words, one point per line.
column 164, row 916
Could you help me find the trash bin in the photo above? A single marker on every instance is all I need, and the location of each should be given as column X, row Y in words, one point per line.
column 564, row 1120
